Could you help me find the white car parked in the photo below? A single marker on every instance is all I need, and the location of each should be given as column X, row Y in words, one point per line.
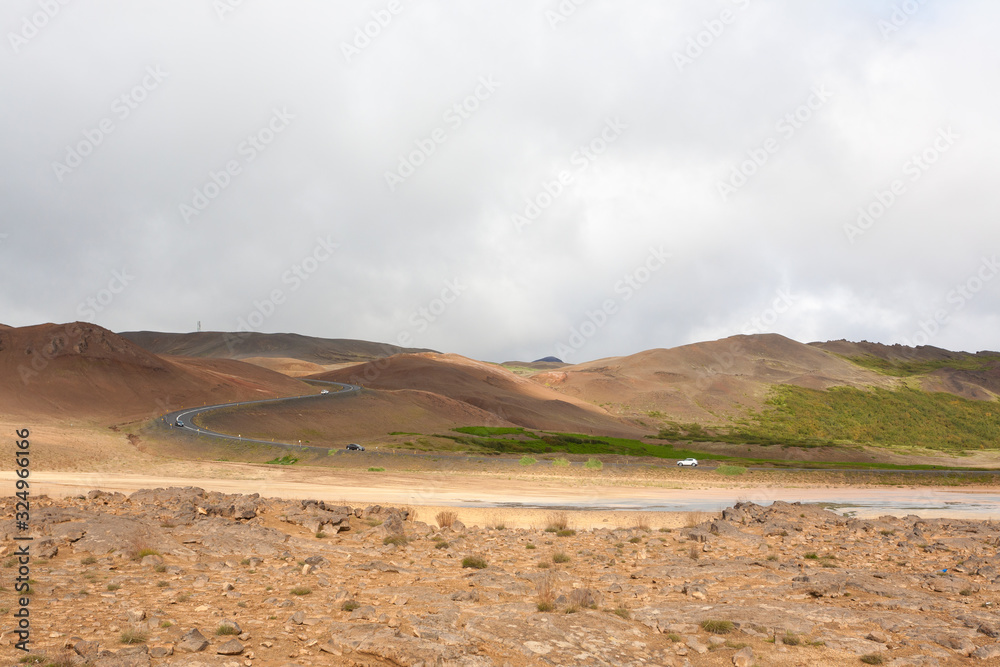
column 688, row 463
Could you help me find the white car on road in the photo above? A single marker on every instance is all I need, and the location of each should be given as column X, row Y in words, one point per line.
column 688, row 463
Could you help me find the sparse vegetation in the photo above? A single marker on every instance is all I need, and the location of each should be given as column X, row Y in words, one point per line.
column 565, row 532
column 114, row 587
column 560, row 462
column 286, row 460
column 446, row 518
column 88, row 560
column 376, row 469
column 622, row 612
column 557, row 521
column 730, row 471
column 133, row 636
column 872, row 659
column 560, row 557
column 593, row 464
column 528, row 460
column 717, row 627
column 474, row 562
column 398, row 539
column 301, row 590
column 226, row 629
column 350, row 605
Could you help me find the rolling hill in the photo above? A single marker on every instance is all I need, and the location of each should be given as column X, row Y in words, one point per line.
column 84, row 371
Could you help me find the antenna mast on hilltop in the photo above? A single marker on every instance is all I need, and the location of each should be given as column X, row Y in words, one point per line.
column 199, row 325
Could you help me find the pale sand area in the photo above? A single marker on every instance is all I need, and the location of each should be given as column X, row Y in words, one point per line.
column 429, row 493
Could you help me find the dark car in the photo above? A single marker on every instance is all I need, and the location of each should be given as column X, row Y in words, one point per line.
column 355, row 447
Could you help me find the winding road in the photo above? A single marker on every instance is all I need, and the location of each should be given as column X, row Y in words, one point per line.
column 183, row 419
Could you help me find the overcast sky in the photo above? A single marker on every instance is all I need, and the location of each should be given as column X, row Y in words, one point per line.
column 504, row 180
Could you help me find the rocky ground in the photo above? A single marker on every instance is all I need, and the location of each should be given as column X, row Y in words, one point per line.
column 186, row 577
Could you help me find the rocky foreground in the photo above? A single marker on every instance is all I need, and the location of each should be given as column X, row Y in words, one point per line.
column 186, row 577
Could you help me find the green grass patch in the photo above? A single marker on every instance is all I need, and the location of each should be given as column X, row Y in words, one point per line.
column 900, row 418
column 376, row 469
column 528, row 460
column 901, row 368
column 475, row 562
column 560, row 462
column 286, row 460
column 349, row 605
column 593, row 464
column 717, row 627
column 730, row 471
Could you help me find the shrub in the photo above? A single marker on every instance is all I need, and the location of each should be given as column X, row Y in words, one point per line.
column 545, row 589
column 545, row 606
column 872, row 659
column 114, row 587
column 561, row 463
column 446, row 518
column 226, row 629
column 791, row 639
column 529, row 545
column 320, row 535
column 565, row 532
column 89, row 560
column 635, row 540
column 717, row 627
column 133, row 636
column 557, row 521
column 376, row 469
column 350, row 605
column 441, row 544
column 166, row 624
column 674, row 637
column 811, row 556
column 622, row 612
column 528, row 461
column 560, row 557
column 474, row 562
column 301, row 590
column 593, row 464
column 399, row 540
column 160, row 567
column 544, row 565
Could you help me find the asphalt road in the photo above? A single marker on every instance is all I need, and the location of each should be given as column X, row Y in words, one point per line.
column 186, row 416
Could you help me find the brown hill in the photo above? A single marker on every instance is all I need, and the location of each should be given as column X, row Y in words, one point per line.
column 365, row 418
column 973, row 376
column 706, row 382
column 286, row 365
column 84, row 371
column 485, row 386
column 241, row 345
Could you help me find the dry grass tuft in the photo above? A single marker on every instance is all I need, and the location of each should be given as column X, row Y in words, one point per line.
column 446, row 519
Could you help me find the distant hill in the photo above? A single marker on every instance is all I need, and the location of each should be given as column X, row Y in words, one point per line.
column 489, row 388
column 242, row 345
column 81, row 370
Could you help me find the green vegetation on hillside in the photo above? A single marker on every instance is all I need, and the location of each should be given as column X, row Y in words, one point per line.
column 565, row 443
column 900, row 368
column 900, row 418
